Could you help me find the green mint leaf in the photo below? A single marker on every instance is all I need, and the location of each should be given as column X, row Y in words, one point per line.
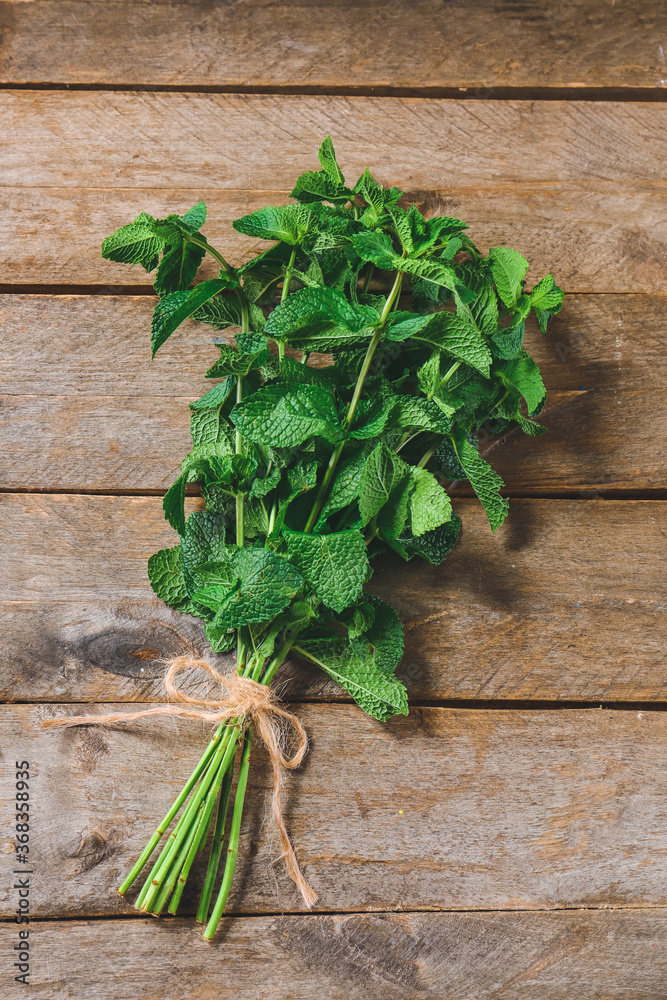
column 436, row 273
column 370, row 418
column 433, row 546
column 382, row 473
column 411, row 412
column 285, row 416
column 529, row 427
column 506, row 343
column 267, row 584
column 176, row 307
column 345, row 487
column 136, row 243
column 430, row 506
column 233, row 362
column 508, row 268
column 451, row 332
column 485, row 482
column 173, row 503
column 166, row 578
column 385, row 635
column 328, row 162
column 314, row 316
column 204, row 541
column 216, row 396
column 335, row 565
column 290, row 224
column 523, row 375
column 220, row 312
column 264, row 484
column 379, row 694
column 377, row 248
column 480, row 306
column 195, row 217
column 178, row 267
column 546, row 299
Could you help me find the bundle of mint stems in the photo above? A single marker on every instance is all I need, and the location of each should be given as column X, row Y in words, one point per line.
column 372, row 349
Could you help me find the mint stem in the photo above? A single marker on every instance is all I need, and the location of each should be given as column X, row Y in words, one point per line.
column 164, row 825
column 216, row 848
column 323, row 491
column 234, row 836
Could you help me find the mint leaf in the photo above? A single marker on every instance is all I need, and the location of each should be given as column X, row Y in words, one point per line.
column 546, row 299
column 377, row 248
column 379, row 694
column 433, row 546
column 385, row 635
column 266, row 584
column 320, row 317
column 166, row 578
column 523, row 375
column 176, row 307
column 136, row 243
column 173, row 503
column 451, row 332
column 178, row 267
column 328, row 162
column 508, row 268
column 335, row 565
column 195, row 217
column 285, row 416
column 290, row 224
column 383, row 472
column 485, row 482
column 233, row 362
column 429, row 504
column 345, row 489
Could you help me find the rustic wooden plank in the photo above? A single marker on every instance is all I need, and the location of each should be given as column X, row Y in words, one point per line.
column 618, row 954
column 582, row 43
column 565, row 601
column 242, row 142
column 576, row 186
column 83, row 407
column 598, row 440
column 608, row 240
column 446, row 809
column 99, row 344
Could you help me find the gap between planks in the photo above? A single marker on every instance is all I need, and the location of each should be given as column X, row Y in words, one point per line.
column 634, row 95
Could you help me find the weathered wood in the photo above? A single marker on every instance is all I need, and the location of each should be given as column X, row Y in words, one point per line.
column 565, row 601
column 447, row 809
column 598, row 440
column 84, row 408
column 99, row 344
column 107, row 139
column 619, row 955
column 607, row 240
column 553, row 178
column 575, row 44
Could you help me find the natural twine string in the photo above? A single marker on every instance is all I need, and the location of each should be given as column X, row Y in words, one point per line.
column 248, row 702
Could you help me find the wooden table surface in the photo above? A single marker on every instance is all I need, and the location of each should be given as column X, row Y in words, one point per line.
column 509, row 838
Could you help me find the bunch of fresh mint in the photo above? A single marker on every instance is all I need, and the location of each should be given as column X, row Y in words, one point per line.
column 373, row 345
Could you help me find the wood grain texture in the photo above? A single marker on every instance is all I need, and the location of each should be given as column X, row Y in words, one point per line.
column 82, row 407
column 586, row 43
column 578, row 187
column 618, row 955
column 446, row 809
column 565, row 601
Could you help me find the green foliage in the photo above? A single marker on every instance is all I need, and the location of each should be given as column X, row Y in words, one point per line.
column 310, row 469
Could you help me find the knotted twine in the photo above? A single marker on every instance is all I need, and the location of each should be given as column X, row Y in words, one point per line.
column 241, row 699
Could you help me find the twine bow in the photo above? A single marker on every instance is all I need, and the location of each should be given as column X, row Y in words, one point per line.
column 246, row 701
